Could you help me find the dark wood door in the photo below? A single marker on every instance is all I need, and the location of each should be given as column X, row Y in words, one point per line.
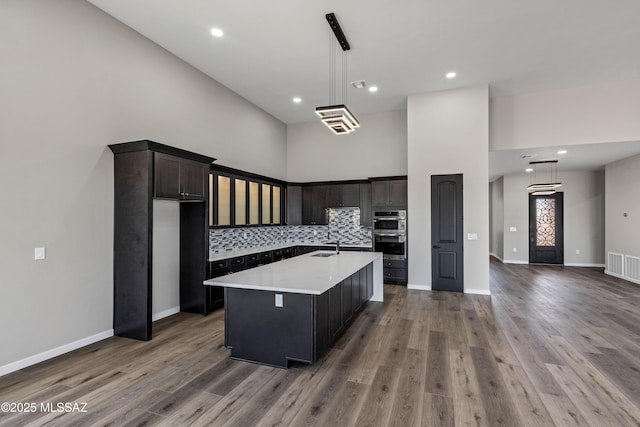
column 166, row 176
column 398, row 192
column 350, row 195
column 333, row 195
column 294, row 205
column 379, row 193
column 314, row 204
column 347, row 300
column 319, row 204
column 307, row 205
column 446, row 233
column 546, row 235
column 192, row 180
column 335, row 311
column 366, row 217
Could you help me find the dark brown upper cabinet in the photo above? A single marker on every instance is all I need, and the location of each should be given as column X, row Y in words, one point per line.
column 294, row 205
column 314, row 204
column 343, row 195
column 366, row 217
column 389, row 192
column 179, row 179
column 240, row 198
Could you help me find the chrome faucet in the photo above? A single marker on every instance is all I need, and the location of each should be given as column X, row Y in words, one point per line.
column 334, row 222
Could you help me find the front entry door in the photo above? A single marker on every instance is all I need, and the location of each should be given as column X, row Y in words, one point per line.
column 546, row 240
column 446, row 233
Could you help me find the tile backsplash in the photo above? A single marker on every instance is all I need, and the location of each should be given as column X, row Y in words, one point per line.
column 344, row 224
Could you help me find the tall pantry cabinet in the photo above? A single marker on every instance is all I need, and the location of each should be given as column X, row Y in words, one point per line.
column 144, row 170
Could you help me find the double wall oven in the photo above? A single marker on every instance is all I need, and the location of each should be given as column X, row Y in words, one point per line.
column 390, row 233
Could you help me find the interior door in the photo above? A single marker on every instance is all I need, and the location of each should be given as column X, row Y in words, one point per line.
column 446, row 233
column 546, row 236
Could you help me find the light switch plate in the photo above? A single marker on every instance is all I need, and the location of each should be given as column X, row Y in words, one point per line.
column 39, row 254
column 472, row 236
column 279, row 302
column 513, row 229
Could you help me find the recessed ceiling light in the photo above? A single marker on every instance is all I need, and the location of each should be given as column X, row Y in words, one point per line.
column 217, row 32
column 529, row 170
column 562, row 152
column 451, row 74
column 297, row 100
column 373, row 89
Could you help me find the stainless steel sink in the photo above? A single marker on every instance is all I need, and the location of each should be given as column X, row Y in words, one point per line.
column 323, row 255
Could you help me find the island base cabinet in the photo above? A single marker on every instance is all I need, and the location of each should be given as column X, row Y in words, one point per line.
column 258, row 331
column 301, row 330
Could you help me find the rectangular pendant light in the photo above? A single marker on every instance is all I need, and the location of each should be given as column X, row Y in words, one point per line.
column 338, row 118
column 543, row 192
column 542, row 187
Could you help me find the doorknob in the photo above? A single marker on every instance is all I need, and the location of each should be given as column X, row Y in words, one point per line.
column 436, row 247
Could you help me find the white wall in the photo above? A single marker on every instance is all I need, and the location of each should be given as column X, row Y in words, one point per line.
column 496, row 215
column 622, row 195
column 448, row 134
column 516, row 214
column 377, row 148
column 594, row 114
column 583, row 217
column 74, row 80
column 166, row 258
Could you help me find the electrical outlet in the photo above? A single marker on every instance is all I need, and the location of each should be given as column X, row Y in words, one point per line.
column 515, row 250
column 577, row 251
column 513, row 229
column 279, row 301
column 244, row 235
column 472, row 236
column 39, row 254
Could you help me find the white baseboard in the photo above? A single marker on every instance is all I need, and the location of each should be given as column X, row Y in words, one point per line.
column 496, row 257
column 50, row 354
column 477, row 291
column 582, row 264
column 169, row 312
column 513, row 261
column 619, row 276
column 419, row 287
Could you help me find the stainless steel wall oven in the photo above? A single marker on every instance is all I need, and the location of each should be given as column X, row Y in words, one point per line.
column 390, row 221
column 392, row 245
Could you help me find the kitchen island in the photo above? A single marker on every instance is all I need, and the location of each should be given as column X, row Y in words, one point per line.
column 295, row 309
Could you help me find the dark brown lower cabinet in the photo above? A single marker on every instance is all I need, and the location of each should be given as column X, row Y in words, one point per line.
column 395, row 271
column 215, row 296
column 302, row 330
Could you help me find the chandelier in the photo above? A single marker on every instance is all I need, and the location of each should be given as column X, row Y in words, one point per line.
column 337, row 117
column 545, row 188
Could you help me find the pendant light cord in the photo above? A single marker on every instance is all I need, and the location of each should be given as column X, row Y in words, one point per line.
column 333, row 72
column 344, row 77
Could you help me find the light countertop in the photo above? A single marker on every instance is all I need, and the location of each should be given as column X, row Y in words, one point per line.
column 255, row 250
column 304, row 274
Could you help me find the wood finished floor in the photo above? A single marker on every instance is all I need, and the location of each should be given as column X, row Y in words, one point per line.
column 551, row 346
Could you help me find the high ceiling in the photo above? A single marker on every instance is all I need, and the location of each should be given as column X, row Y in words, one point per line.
column 274, row 51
